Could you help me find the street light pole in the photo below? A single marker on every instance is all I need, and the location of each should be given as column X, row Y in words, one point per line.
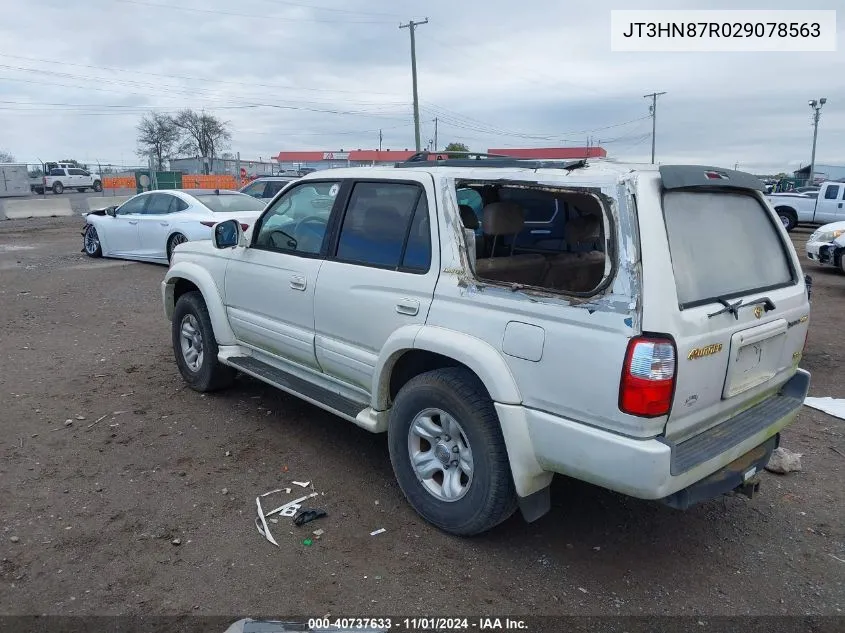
column 817, row 108
column 412, row 26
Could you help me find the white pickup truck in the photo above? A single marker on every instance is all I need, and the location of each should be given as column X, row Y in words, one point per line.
column 60, row 178
column 828, row 205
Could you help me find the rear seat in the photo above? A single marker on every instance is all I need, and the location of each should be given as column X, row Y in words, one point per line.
column 507, row 218
column 577, row 272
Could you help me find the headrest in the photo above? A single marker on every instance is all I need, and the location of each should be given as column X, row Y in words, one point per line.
column 582, row 229
column 468, row 217
column 503, row 218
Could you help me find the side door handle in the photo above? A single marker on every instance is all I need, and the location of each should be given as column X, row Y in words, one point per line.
column 133, row 221
column 298, row 282
column 410, row 307
column 165, row 223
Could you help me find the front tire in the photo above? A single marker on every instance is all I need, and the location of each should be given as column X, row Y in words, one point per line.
column 195, row 347
column 58, row 188
column 172, row 242
column 91, row 242
column 98, row 186
column 448, row 452
column 787, row 217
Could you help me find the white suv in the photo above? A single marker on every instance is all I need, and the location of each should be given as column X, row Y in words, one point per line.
column 636, row 327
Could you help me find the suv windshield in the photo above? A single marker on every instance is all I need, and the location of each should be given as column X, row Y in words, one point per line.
column 723, row 245
column 231, row 203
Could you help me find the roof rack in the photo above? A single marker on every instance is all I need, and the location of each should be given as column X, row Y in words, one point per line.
column 487, row 160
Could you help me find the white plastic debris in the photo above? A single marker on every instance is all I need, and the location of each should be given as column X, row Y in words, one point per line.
column 264, row 523
column 272, row 492
column 285, row 510
column 378, row 531
column 831, row 406
column 318, row 532
column 304, row 484
column 784, row 461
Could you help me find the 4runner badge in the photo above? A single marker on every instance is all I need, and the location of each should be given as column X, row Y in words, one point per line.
column 758, row 311
column 707, row 350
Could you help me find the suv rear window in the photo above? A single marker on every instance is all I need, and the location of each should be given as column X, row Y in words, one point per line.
column 723, row 245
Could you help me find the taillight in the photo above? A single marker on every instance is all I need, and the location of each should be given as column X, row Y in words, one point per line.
column 208, row 224
column 244, row 227
column 648, row 377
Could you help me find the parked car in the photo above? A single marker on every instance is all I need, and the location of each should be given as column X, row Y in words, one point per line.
column 827, row 245
column 808, row 207
column 265, row 188
column 150, row 225
column 60, row 178
column 653, row 350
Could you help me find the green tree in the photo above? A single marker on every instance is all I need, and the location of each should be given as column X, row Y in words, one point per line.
column 456, row 147
column 6, row 157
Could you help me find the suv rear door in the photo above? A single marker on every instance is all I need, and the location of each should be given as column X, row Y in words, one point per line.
column 379, row 276
column 736, row 304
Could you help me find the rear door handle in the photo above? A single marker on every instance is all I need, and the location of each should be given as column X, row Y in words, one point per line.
column 133, row 221
column 408, row 306
column 297, row 282
column 165, row 223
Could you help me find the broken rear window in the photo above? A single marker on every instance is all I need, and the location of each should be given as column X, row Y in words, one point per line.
column 552, row 239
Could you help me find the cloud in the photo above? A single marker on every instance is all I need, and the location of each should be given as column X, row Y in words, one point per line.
column 291, row 76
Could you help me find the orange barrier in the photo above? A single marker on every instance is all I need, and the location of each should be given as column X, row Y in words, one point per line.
column 119, row 182
column 199, row 181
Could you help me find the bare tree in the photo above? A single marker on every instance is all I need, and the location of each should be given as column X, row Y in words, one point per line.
column 158, row 135
column 6, row 157
column 203, row 134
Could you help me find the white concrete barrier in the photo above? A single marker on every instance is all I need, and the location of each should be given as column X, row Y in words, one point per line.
column 45, row 208
column 95, row 203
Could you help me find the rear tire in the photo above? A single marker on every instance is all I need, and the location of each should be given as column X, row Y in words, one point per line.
column 787, row 217
column 172, row 242
column 461, row 480
column 58, row 188
column 195, row 347
column 91, row 242
column 98, row 186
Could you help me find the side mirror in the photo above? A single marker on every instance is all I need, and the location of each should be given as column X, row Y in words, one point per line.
column 111, row 211
column 227, row 234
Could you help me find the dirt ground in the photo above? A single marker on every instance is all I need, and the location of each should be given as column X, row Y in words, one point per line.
column 90, row 508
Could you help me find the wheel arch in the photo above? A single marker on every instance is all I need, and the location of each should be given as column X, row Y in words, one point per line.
column 187, row 277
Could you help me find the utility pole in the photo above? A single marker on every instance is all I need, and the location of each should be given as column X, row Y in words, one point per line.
column 380, row 138
column 653, row 110
column 435, row 134
column 412, row 26
column 817, row 110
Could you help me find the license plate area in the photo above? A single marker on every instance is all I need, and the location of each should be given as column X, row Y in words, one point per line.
column 756, row 356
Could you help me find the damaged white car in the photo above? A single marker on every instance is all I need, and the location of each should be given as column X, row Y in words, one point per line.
column 635, row 327
column 827, row 245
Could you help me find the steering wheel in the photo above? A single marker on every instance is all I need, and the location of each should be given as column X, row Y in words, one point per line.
column 310, row 219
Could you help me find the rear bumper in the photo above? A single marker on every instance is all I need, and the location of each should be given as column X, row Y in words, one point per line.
column 656, row 468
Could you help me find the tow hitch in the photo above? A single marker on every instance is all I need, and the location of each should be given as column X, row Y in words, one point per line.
column 749, row 488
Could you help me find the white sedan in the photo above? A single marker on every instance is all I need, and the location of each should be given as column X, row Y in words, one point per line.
column 150, row 225
column 827, row 245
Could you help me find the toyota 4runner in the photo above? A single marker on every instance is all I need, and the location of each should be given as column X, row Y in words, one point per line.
column 636, row 327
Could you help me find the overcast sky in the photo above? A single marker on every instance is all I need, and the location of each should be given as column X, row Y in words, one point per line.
column 75, row 78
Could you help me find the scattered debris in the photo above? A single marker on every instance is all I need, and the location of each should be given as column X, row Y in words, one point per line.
column 837, row 558
column 176, row 541
column 308, row 515
column 228, row 453
column 68, row 422
column 287, row 490
column 304, row 484
column 225, row 491
column 98, row 420
column 831, row 406
column 80, row 417
column 307, row 542
column 264, row 523
column 836, row 450
column 284, row 469
column 15, row 539
column 376, row 502
column 318, row 533
column 272, row 492
column 582, row 590
column 291, row 507
column 378, row 531
column 784, row 461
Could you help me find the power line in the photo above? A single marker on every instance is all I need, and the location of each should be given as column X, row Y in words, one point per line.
column 311, row 6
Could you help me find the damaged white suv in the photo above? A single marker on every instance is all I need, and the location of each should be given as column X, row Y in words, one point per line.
column 636, row 327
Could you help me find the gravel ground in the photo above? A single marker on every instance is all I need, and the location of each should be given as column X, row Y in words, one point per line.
column 91, row 508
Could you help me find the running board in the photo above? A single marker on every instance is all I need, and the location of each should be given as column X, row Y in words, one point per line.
column 319, row 396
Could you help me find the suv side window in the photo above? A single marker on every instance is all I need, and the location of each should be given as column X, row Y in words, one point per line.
column 386, row 225
column 76, row 172
column 57, row 172
column 296, row 223
column 832, row 192
column 133, row 206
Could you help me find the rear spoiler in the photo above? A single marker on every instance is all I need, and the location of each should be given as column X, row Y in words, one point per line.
column 692, row 176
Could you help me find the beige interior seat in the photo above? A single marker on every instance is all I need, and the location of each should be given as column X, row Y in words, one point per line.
column 508, row 218
column 577, row 272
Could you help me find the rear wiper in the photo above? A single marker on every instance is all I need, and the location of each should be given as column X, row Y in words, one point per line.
column 733, row 308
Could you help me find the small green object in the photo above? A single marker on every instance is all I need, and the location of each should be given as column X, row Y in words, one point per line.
column 307, row 542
